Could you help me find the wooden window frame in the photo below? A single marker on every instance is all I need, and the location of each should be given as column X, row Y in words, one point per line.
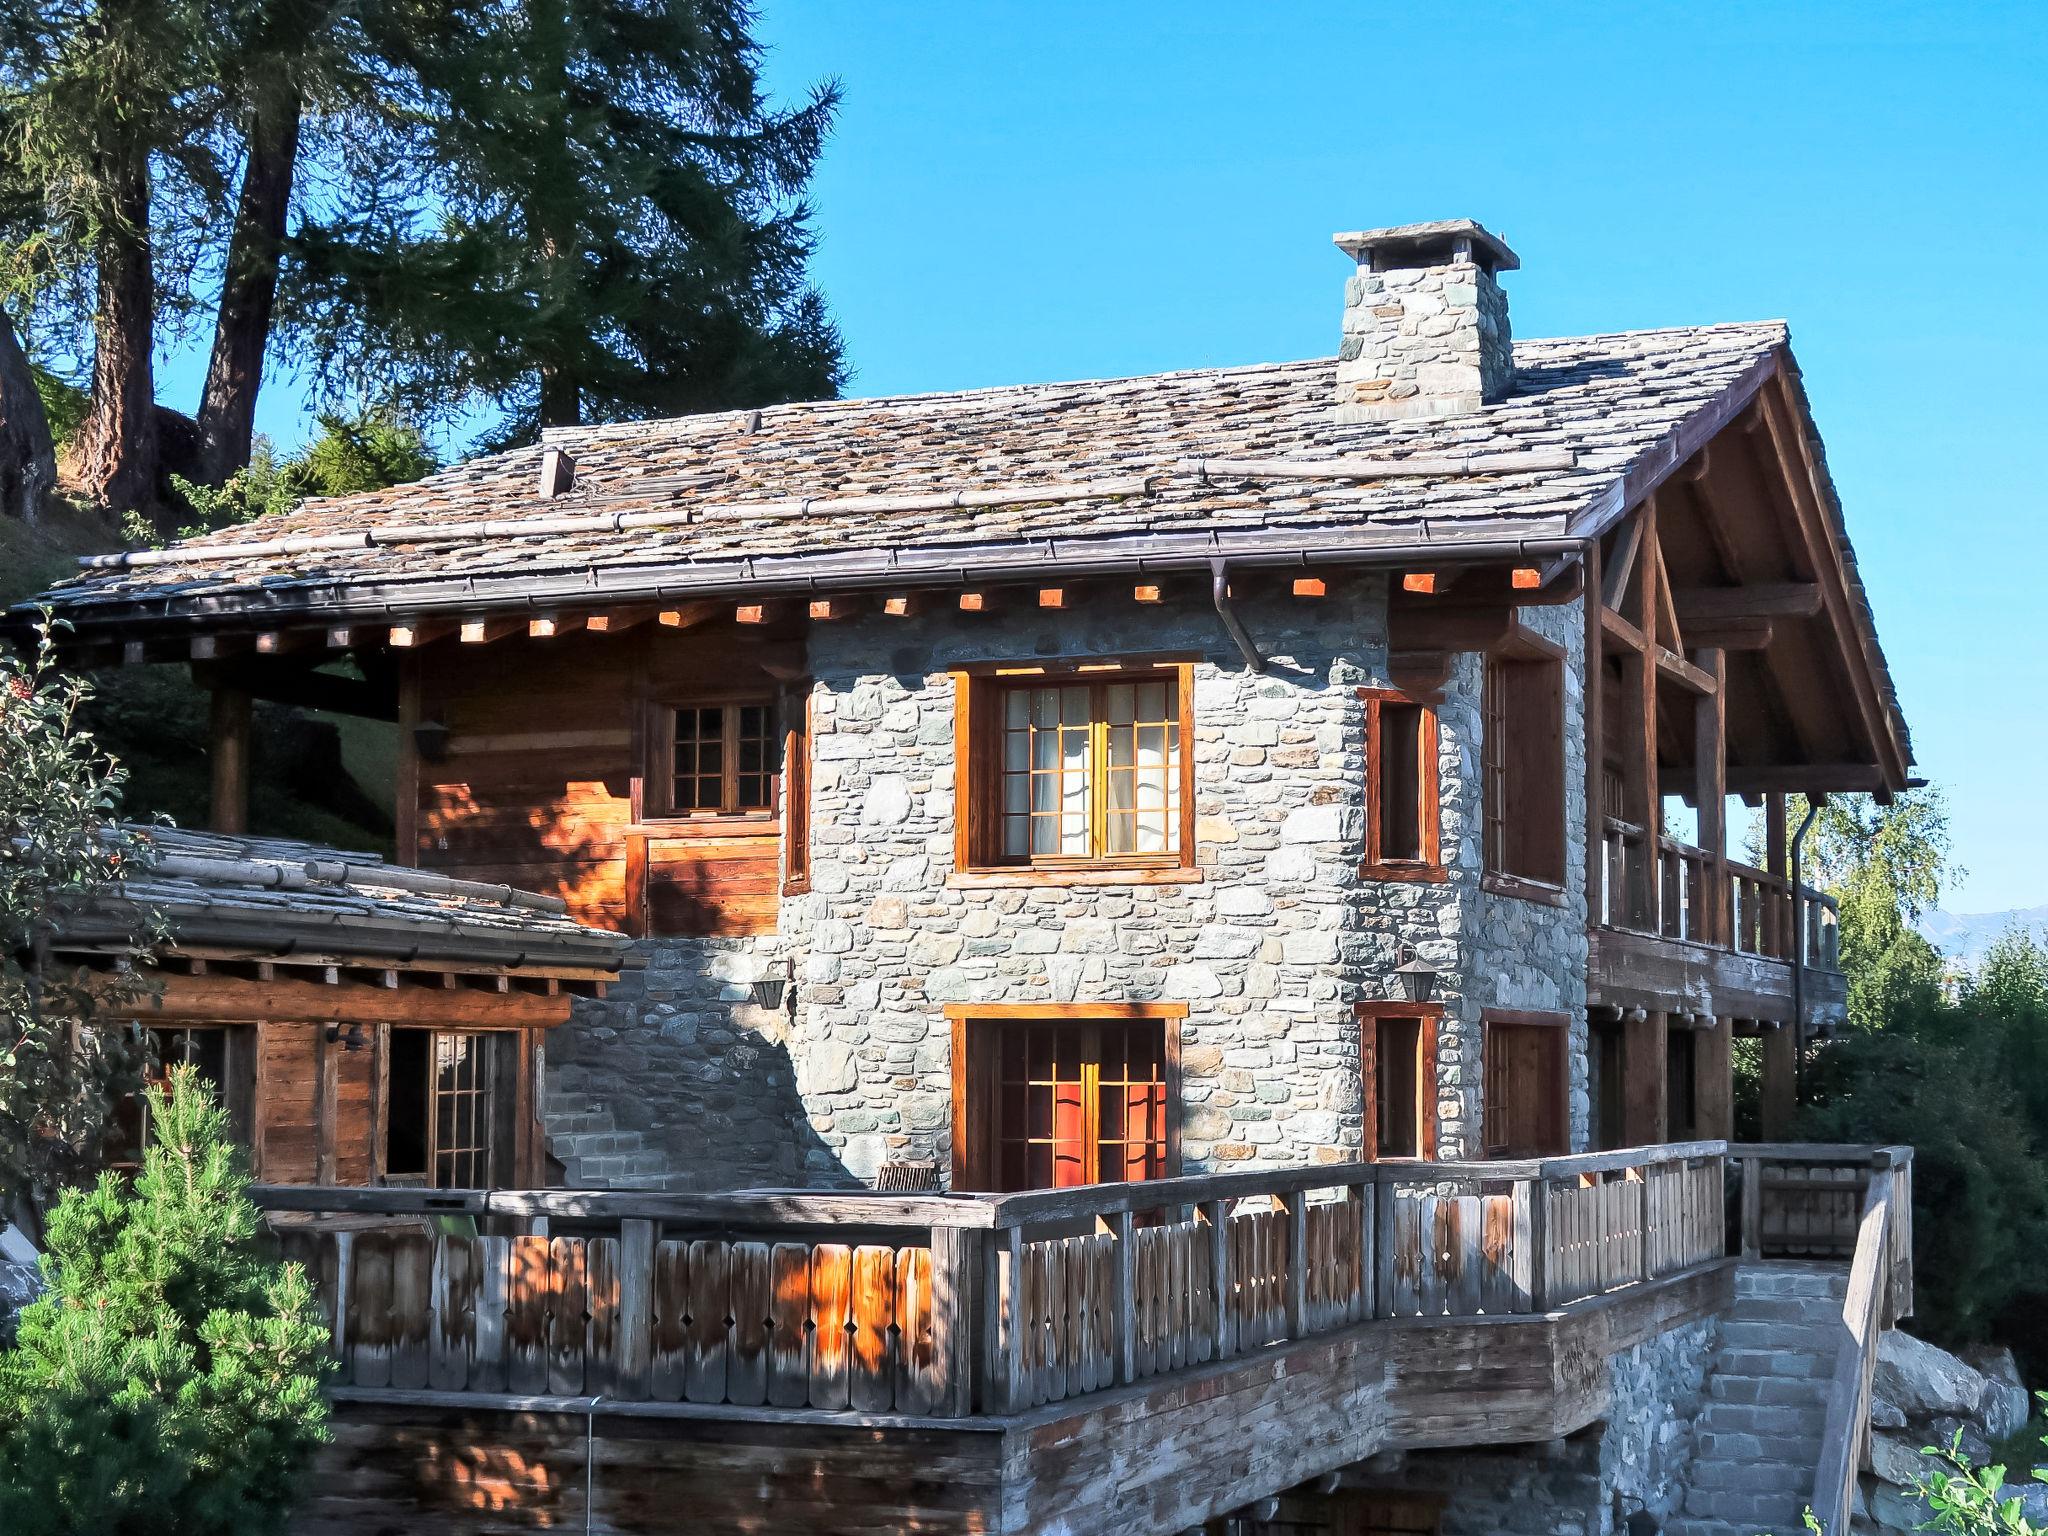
column 1523, row 647
column 796, row 791
column 504, row 1089
column 972, row 1149
column 659, row 774
column 1559, row 1091
column 1428, row 787
column 977, row 819
column 1428, row 1017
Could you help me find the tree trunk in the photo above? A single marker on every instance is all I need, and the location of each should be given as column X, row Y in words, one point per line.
column 28, row 459
column 118, row 459
column 227, row 412
column 561, row 402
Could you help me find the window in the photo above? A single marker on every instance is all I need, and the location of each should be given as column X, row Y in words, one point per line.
column 1077, row 771
column 1401, row 837
column 1397, row 1047
column 1048, row 1102
column 722, row 759
column 1523, row 745
column 1681, row 1084
column 1525, row 1084
column 221, row 1053
column 450, row 1117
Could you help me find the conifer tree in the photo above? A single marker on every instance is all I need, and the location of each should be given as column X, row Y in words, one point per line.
column 169, row 1381
column 603, row 220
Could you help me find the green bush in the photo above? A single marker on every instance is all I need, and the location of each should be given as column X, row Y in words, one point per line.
column 169, row 1381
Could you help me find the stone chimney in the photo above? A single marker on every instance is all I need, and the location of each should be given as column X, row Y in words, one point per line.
column 1425, row 322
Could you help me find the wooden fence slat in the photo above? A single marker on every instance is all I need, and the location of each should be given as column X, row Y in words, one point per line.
column 1496, row 1257
column 370, row 1322
column 526, row 1316
column 454, row 1283
column 568, row 1315
column 913, row 1310
column 831, row 1310
column 752, row 1301
column 487, row 1323
column 704, row 1355
column 636, row 1308
column 873, row 1319
column 601, row 1269
column 668, row 1364
column 789, row 1277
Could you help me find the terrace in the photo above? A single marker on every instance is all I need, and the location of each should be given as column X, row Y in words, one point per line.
column 1104, row 1358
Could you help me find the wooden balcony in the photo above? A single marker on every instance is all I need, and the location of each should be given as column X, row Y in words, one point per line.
column 1126, row 1357
column 1679, row 941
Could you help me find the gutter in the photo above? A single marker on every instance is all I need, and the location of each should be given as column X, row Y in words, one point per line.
column 799, row 575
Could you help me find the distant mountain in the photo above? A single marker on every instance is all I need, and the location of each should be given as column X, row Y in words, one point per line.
column 1965, row 936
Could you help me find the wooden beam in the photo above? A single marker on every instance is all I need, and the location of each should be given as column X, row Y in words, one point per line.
column 228, row 761
column 1052, row 597
column 1650, row 806
column 1146, row 592
column 245, row 1000
column 1525, row 578
column 1615, row 627
column 1428, row 583
column 1768, row 600
column 343, row 637
column 978, row 602
column 1806, row 778
column 1592, row 699
column 1447, row 627
column 1730, row 634
column 215, row 647
column 553, row 626
column 690, row 615
column 1714, row 1081
column 1781, row 1081
column 1674, row 666
column 825, row 610
column 286, row 642
column 1614, row 582
column 412, row 633
column 1311, row 586
column 490, row 631
column 900, row 605
column 756, row 613
column 617, row 621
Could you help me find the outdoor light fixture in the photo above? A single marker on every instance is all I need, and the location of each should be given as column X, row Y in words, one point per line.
column 1417, row 979
column 771, row 992
column 352, row 1041
column 431, row 738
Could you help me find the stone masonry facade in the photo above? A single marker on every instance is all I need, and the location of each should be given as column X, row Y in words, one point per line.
column 1422, row 341
column 1270, row 950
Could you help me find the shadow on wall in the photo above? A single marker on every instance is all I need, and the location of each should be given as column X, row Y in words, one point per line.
column 677, row 1080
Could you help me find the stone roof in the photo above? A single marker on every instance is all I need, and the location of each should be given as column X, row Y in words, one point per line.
column 745, row 497
column 281, row 900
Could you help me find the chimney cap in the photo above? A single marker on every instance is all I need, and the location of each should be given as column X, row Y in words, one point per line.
column 1428, row 245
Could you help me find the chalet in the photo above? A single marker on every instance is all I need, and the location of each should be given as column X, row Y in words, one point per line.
column 1187, row 953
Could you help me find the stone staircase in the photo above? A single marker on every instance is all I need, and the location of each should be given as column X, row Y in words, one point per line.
column 583, row 1132
column 1757, row 1439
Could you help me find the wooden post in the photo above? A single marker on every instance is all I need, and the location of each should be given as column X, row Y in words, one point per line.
column 636, row 1307
column 1781, row 1050
column 1383, row 1203
column 1714, row 1081
column 228, row 757
column 1710, row 790
column 1008, row 1250
column 1123, row 1295
column 1592, row 693
column 1649, row 794
column 1645, row 1057
column 952, row 1337
column 1216, row 1215
column 1752, row 1207
column 1297, row 1264
column 1529, row 1210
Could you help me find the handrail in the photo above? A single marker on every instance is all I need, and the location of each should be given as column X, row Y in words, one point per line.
column 1753, row 911
column 1846, row 1427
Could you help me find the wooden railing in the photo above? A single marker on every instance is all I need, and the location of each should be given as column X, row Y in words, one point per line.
column 1759, row 906
column 1801, row 1195
column 943, row 1306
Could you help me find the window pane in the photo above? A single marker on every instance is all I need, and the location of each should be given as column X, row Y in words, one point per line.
column 1398, row 787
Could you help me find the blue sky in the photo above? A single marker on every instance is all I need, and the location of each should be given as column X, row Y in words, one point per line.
column 1026, row 192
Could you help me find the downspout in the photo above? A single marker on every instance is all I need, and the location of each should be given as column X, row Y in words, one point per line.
column 1799, row 946
column 1219, row 593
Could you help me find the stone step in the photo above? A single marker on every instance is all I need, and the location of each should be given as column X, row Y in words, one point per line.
column 1759, row 1511
column 1774, row 1364
column 1768, row 1391
column 1721, row 1418
column 1753, row 1475
column 1698, row 1525
column 1800, row 1447
column 1755, row 1280
column 1821, row 1311
column 1819, row 1338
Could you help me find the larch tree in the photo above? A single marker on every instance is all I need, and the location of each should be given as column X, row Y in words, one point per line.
column 608, row 222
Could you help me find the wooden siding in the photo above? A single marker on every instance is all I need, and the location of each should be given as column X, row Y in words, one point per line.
column 542, row 780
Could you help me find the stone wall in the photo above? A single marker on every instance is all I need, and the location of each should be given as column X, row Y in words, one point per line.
column 1270, row 950
column 1422, row 341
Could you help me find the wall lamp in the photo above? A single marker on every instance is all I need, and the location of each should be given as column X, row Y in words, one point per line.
column 431, row 739
column 772, row 991
column 1416, row 976
column 354, row 1040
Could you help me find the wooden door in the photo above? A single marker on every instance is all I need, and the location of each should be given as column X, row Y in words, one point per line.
column 1525, row 1090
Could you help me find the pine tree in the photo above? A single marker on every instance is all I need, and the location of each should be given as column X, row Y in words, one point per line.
column 613, row 226
column 170, row 1379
